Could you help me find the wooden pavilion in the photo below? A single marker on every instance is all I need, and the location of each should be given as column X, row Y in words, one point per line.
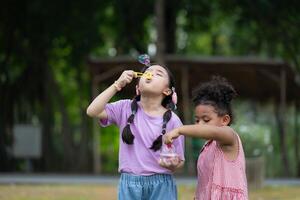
column 254, row 78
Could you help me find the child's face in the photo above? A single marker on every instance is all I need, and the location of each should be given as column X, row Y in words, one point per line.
column 158, row 84
column 206, row 114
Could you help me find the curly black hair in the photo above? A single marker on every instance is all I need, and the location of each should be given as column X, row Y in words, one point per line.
column 217, row 92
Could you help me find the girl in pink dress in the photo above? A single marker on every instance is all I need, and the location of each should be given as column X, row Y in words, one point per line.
column 221, row 163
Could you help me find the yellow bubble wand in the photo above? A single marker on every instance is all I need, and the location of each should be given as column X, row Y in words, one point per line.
column 147, row 75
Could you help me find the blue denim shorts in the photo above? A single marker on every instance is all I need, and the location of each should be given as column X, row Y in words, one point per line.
column 154, row 187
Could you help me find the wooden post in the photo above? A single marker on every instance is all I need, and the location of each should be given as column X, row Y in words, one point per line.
column 187, row 118
column 255, row 171
column 296, row 142
column 96, row 136
column 282, row 121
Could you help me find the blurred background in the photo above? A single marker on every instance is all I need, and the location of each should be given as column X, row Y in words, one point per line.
column 55, row 56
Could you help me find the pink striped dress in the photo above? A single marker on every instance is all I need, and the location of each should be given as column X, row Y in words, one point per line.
column 218, row 177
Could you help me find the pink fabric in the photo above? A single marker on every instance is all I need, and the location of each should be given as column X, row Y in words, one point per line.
column 220, row 178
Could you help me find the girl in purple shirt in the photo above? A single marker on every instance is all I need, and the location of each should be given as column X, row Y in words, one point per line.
column 142, row 122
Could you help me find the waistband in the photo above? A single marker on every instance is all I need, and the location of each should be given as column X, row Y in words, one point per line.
column 145, row 180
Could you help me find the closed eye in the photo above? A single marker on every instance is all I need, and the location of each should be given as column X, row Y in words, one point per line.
column 160, row 72
column 206, row 120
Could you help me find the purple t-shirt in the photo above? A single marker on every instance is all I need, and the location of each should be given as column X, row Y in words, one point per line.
column 138, row 158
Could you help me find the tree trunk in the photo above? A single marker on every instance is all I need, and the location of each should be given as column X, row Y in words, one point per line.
column 6, row 102
column 69, row 154
column 97, row 164
column 160, row 28
column 282, row 143
column 47, row 119
column 187, row 119
column 6, row 123
column 296, row 141
column 280, row 117
column 171, row 10
column 83, row 158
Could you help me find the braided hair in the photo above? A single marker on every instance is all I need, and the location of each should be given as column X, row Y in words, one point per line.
column 167, row 102
column 217, row 92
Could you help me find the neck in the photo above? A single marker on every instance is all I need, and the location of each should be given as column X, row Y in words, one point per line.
column 151, row 103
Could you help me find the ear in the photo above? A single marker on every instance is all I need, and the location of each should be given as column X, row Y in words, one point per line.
column 137, row 91
column 167, row 92
column 225, row 120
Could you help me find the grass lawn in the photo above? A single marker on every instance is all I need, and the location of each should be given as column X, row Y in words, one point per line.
column 101, row 192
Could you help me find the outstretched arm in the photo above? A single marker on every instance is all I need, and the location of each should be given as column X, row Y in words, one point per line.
column 96, row 108
column 223, row 134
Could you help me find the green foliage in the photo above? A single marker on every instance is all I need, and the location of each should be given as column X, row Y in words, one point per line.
column 44, row 79
column 243, row 28
column 256, row 138
column 109, row 146
column 256, row 125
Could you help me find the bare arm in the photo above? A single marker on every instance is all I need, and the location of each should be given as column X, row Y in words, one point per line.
column 96, row 108
column 223, row 134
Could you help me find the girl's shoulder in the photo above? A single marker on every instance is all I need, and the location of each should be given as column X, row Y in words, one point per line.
column 125, row 101
column 175, row 116
column 175, row 119
column 120, row 105
column 122, row 102
column 236, row 134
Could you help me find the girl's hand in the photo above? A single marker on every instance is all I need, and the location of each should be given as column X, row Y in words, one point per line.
column 125, row 78
column 170, row 136
column 172, row 165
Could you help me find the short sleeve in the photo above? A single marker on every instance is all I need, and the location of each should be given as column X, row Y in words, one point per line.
column 115, row 112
